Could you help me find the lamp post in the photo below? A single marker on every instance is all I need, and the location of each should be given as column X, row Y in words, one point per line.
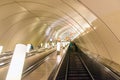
column 17, row 63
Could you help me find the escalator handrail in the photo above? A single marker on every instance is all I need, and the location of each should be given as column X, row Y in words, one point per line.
column 67, row 68
column 55, row 72
column 36, row 65
column 112, row 73
column 59, row 66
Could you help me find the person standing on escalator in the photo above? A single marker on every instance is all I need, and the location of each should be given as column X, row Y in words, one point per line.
column 73, row 47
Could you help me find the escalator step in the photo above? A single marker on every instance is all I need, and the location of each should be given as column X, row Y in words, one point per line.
column 78, row 72
column 79, row 75
column 79, row 78
column 76, row 69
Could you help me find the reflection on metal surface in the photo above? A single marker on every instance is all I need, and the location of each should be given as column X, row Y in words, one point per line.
column 28, row 47
column 4, row 57
column 64, row 51
column 58, row 59
column 2, row 64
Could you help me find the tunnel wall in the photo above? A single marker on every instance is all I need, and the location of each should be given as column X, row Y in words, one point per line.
column 97, row 21
column 102, row 40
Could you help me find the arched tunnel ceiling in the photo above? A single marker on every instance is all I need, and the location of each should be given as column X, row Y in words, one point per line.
column 36, row 21
column 94, row 25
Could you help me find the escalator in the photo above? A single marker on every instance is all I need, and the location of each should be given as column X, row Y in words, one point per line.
column 76, row 65
column 75, row 69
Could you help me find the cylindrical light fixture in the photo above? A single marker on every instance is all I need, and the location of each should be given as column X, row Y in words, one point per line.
column 17, row 63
